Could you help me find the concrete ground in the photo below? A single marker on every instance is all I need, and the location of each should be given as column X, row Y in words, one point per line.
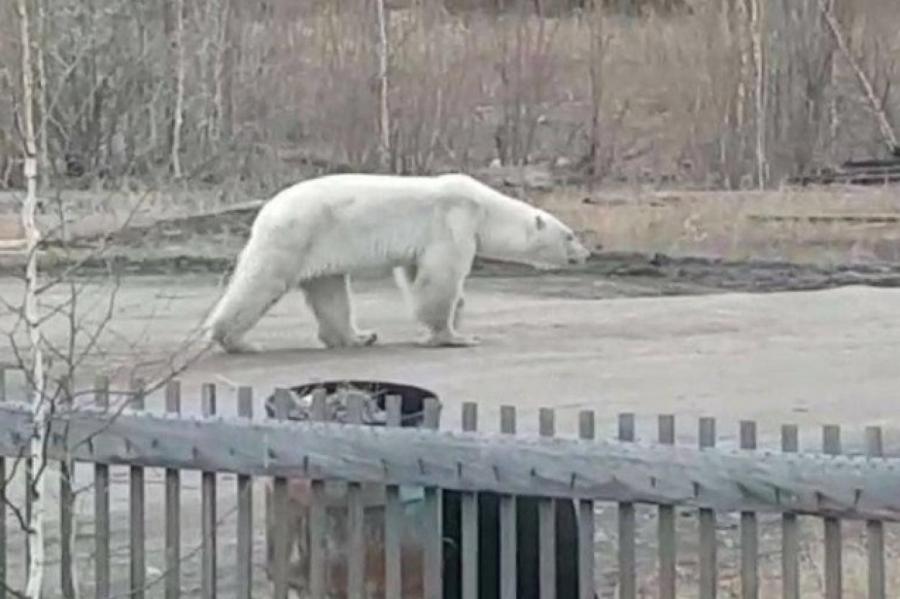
column 803, row 357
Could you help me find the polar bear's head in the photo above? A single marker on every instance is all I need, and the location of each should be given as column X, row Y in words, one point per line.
column 551, row 244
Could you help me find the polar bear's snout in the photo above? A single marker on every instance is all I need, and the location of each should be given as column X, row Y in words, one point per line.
column 577, row 253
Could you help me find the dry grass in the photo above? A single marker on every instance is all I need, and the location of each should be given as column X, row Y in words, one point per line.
column 725, row 224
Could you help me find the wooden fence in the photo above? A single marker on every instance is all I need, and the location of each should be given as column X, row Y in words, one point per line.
column 466, row 465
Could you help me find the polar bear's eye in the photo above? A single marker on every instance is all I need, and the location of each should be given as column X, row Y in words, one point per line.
column 570, row 237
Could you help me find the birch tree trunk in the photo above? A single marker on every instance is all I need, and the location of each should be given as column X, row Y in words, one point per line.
column 729, row 140
column 42, row 93
column 595, row 75
column 36, row 366
column 230, row 53
column 384, row 112
column 757, row 37
column 177, row 45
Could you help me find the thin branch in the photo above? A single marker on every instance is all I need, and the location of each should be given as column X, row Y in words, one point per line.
column 888, row 134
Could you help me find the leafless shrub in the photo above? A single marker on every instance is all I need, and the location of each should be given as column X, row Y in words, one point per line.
column 259, row 96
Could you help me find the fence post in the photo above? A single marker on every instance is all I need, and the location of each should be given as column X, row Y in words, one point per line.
column 173, row 506
column 749, row 529
column 245, row 510
column 666, row 523
column 874, row 528
column 138, row 569
column 393, row 517
column 356, row 550
column 282, row 533
column 708, row 578
column 469, row 509
column 318, row 516
column 508, row 548
column 627, row 574
column 586, row 557
column 547, row 521
column 433, row 510
column 66, row 505
column 831, row 444
column 101, row 505
column 208, row 507
column 790, row 530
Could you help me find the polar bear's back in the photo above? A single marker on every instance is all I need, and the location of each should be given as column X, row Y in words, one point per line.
column 358, row 222
column 358, row 194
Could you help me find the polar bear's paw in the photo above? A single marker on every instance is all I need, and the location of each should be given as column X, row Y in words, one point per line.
column 358, row 339
column 240, row 347
column 448, row 339
column 366, row 338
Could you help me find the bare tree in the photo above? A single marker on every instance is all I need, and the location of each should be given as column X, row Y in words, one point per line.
column 889, row 136
column 230, row 56
column 44, row 162
column 384, row 122
column 32, row 322
column 758, row 31
column 596, row 58
column 173, row 20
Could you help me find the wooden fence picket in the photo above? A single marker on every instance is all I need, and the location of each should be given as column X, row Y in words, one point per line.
column 547, row 521
column 469, row 515
column 508, row 541
column 790, row 529
column 834, row 577
column 874, row 528
column 208, row 516
column 707, row 522
column 586, row 557
column 173, row 507
column 102, row 528
column 749, row 529
column 627, row 566
column 245, row 510
column 666, row 523
column 137, row 511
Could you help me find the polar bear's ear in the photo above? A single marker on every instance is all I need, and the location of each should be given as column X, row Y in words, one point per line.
column 539, row 222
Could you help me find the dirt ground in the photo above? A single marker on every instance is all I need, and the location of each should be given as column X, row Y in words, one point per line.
column 567, row 341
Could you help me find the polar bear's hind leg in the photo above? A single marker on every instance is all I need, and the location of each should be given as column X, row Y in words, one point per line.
column 251, row 293
column 329, row 299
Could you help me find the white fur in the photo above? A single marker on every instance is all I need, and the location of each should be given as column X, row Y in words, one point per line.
column 318, row 233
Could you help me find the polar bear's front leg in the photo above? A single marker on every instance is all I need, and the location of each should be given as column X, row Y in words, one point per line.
column 437, row 293
column 329, row 299
column 458, row 312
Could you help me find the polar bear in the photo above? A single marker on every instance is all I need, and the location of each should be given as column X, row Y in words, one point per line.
column 427, row 230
